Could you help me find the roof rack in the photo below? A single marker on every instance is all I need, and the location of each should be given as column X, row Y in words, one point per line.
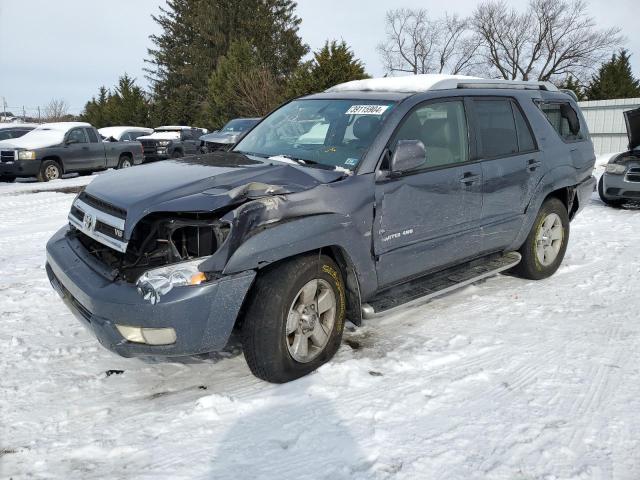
column 426, row 82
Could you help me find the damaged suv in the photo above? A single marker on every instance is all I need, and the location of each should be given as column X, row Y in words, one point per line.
column 337, row 206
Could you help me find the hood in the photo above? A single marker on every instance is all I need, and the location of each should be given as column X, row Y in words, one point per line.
column 203, row 183
column 632, row 119
column 161, row 136
column 35, row 139
column 221, row 137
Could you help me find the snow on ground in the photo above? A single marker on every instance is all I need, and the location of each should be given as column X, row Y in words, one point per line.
column 507, row 379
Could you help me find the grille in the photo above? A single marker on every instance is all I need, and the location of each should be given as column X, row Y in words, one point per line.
column 7, row 155
column 104, row 206
column 214, row 147
column 633, row 175
column 631, row 194
column 108, row 230
column 148, row 146
column 76, row 212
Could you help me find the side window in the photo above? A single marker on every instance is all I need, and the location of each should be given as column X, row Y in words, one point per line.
column 526, row 143
column 442, row 127
column 93, row 137
column 564, row 120
column 125, row 137
column 77, row 135
column 496, row 127
column 186, row 135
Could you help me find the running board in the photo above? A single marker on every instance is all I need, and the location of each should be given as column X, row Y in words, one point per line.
column 431, row 286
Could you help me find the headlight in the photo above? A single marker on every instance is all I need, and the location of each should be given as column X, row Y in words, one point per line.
column 160, row 281
column 26, row 155
column 615, row 168
column 164, row 143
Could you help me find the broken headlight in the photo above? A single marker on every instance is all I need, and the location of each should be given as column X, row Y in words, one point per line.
column 154, row 283
column 615, row 168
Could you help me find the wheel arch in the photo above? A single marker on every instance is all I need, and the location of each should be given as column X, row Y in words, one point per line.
column 56, row 159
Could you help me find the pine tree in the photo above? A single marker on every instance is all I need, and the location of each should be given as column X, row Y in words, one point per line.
column 334, row 63
column 614, row 79
column 197, row 33
column 96, row 111
column 242, row 86
column 572, row 83
column 127, row 105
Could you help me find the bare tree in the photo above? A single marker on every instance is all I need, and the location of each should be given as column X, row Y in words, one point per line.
column 56, row 110
column 417, row 44
column 257, row 93
column 551, row 39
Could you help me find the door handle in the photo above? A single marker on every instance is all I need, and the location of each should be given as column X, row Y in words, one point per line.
column 533, row 164
column 469, row 178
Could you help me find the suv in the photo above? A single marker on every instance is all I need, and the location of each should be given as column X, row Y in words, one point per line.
column 620, row 181
column 337, row 206
column 227, row 136
column 171, row 142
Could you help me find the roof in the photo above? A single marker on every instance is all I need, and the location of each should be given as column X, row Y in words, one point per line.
column 173, row 127
column 63, row 126
column 427, row 82
column 19, row 125
column 117, row 131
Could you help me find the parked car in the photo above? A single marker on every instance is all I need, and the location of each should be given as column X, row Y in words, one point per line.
column 15, row 130
column 620, row 181
column 52, row 149
column 227, row 136
column 422, row 184
column 171, row 142
column 123, row 134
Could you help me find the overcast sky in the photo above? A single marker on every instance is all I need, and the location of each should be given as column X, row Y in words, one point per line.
column 68, row 48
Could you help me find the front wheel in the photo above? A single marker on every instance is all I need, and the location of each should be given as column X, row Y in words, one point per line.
column 295, row 318
column 49, row 170
column 546, row 244
column 616, row 203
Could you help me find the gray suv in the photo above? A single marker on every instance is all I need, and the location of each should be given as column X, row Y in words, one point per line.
column 337, row 206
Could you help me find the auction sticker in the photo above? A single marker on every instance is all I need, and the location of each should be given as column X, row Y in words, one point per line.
column 366, row 109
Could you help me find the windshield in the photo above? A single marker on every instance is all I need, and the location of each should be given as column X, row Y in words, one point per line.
column 238, row 125
column 335, row 133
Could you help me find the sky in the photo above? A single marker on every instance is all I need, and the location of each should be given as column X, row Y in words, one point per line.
column 67, row 49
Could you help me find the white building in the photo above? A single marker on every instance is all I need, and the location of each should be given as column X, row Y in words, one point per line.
column 606, row 123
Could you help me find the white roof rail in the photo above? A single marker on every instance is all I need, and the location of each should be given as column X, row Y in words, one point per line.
column 426, row 82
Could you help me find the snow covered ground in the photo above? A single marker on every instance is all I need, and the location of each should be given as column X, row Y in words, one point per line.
column 508, row 379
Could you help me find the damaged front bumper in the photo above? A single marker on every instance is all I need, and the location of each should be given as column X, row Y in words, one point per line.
column 202, row 316
column 622, row 187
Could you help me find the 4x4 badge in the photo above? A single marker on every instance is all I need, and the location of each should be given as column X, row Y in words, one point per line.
column 89, row 222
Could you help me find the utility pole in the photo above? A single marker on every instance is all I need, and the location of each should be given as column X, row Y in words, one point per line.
column 39, row 121
column 24, row 115
column 4, row 107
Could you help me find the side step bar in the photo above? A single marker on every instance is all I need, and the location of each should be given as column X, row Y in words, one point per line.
column 431, row 286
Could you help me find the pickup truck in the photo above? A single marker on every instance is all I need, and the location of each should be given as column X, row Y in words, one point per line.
column 421, row 184
column 53, row 149
column 172, row 141
column 227, row 136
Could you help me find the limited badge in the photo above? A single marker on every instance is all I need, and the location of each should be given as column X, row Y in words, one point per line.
column 366, row 109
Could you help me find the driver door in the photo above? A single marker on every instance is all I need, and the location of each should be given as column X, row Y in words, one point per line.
column 429, row 218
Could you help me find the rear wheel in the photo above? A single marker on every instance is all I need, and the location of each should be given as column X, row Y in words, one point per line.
column 546, row 244
column 608, row 201
column 295, row 318
column 49, row 170
column 125, row 162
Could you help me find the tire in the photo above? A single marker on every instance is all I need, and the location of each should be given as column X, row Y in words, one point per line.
column 278, row 299
column 49, row 170
column 176, row 154
column 616, row 203
column 124, row 162
column 538, row 263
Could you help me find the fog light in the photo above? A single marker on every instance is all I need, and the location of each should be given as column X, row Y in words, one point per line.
column 150, row 336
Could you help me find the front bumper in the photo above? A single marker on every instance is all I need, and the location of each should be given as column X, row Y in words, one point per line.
column 618, row 187
column 20, row 168
column 153, row 157
column 203, row 316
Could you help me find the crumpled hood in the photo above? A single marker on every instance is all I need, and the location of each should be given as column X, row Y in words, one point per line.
column 201, row 183
column 632, row 118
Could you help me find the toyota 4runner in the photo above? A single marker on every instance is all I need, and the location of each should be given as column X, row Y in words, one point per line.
column 337, row 206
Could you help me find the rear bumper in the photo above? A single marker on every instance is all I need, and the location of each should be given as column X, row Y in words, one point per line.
column 584, row 190
column 20, row 168
column 203, row 316
column 616, row 187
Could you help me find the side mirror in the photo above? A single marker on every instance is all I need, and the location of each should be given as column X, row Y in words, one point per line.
column 408, row 155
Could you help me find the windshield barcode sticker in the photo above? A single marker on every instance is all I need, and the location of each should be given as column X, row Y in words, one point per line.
column 366, row 109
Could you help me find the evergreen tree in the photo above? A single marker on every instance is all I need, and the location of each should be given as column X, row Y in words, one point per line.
column 96, row 111
column 197, row 33
column 614, row 79
column 572, row 83
column 127, row 105
column 242, row 86
column 332, row 64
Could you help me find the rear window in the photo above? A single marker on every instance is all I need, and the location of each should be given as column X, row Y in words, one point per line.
column 93, row 137
column 497, row 128
column 564, row 120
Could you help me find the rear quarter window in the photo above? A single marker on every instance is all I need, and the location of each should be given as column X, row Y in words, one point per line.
column 564, row 120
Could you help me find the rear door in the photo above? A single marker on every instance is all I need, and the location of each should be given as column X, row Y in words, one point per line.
column 511, row 167
column 429, row 218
